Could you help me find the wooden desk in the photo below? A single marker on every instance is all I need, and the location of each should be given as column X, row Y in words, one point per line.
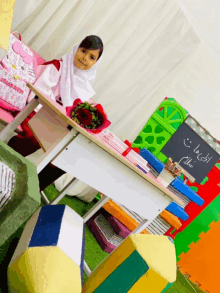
column 86, row 157
column 58, row 115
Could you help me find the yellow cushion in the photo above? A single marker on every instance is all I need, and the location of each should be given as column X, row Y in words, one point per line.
column 159, row 253
column 44, row 269
column 109, row 265
column 149, row 282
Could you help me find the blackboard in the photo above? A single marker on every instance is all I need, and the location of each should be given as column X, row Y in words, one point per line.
column 191, row 152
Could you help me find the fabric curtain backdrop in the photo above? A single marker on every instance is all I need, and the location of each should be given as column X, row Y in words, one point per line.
column 147, row 46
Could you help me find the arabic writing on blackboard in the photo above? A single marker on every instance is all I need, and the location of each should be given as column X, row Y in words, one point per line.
column 199, row 155
column 191, row 152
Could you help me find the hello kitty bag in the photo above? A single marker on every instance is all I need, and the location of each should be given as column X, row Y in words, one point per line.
column 16, row 69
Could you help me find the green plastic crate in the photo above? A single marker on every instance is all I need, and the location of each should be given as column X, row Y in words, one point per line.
column 153, row 137
column 160, row 127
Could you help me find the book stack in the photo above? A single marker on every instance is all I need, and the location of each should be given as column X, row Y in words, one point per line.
column 120, row 147
column 7, row 182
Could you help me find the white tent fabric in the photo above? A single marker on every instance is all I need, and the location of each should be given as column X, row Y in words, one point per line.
column 146, row 44
column 152, row 50
column 197, row 86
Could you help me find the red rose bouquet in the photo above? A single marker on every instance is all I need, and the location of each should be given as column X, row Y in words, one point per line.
column 93, row 118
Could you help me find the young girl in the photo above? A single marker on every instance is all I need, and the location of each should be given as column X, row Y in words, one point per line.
column 64, row 81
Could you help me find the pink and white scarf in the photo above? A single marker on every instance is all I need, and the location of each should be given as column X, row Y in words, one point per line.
column 76, row 83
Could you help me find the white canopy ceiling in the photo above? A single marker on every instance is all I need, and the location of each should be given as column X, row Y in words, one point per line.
column 205, row 17
column 199, row 83
column 194, row 80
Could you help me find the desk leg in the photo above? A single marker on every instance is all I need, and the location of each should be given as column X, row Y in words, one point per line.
column 43, row 195
column 55, row 150
column 141, row 227
column 95, row 208
column 86, row 269
column 4, row 134
column 64, row 191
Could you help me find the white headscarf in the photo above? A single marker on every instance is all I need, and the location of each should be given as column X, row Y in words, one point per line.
column 76, row 83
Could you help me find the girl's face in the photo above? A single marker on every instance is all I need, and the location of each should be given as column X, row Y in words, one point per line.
column 84, row 59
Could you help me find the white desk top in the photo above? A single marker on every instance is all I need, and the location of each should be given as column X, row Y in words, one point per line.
column 94, row 166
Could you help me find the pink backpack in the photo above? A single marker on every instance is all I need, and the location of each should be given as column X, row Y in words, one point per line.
column 16, row 69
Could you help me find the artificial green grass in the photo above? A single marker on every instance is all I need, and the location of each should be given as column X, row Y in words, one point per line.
column 94, row 255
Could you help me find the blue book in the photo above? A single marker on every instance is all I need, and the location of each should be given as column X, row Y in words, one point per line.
column 187, row 191
column 177, row 183
column 176, row 210
column 152, row 160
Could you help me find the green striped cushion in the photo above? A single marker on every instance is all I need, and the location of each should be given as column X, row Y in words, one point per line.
column 124, row 277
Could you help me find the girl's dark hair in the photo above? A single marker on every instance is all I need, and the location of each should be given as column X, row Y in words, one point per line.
column 92, row 43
